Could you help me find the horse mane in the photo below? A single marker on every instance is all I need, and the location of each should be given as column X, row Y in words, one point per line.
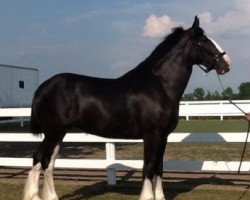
column 162, row 49
column 168, row 43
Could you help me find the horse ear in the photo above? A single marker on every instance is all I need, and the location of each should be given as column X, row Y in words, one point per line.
column 196, row 23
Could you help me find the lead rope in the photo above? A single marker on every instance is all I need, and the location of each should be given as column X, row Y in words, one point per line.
column 248, row 129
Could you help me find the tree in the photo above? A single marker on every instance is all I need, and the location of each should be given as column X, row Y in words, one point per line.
column 244, row 90
column 216, row 96
column 208, row 96
column 227, row 93
column 188, row 97
column 199, row 93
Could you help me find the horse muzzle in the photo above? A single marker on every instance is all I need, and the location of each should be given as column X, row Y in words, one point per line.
column 222, row 71
column 224, row 60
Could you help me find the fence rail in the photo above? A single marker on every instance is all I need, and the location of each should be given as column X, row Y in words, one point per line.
column 187, row 109
column 212, row 108
column 112, row 164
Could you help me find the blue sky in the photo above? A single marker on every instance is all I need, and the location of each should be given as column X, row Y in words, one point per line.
column 108, row 38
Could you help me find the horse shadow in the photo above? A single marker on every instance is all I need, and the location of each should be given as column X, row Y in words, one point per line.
column 171, row 189
column 208, row 137
column 201, row 137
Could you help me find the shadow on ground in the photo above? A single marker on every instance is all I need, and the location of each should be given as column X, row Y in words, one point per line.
column 171, row 189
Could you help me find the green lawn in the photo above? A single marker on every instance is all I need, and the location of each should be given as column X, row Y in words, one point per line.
column 213, row 126
column 202, row 125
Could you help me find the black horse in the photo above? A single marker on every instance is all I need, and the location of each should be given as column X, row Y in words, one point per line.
column 143, row 103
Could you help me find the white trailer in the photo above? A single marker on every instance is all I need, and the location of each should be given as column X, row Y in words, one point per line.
column 17, row 85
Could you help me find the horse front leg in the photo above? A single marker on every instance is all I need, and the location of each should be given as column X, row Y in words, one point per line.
column 158, row 188
column 154, row 147
column 148, row 173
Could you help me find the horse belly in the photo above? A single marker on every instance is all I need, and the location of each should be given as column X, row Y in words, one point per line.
column 99, row 124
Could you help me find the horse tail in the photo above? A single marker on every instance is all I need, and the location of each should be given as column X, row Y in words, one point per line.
column 34, row 125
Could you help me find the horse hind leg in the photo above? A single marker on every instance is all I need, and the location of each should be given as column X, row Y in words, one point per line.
column 50, row 152
column 44, row 159
column 49, row 192
column 32, row 183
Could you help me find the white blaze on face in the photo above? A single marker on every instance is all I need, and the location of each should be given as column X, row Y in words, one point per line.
column 225, row 57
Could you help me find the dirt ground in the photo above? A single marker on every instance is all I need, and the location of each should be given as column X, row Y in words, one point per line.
column 93, row 182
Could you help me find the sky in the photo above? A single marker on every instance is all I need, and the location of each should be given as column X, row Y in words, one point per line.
column 108, row 38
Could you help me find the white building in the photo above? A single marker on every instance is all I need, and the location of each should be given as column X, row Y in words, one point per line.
column 17, row 85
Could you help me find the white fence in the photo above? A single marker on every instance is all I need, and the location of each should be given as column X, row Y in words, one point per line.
column 212, row 108
column 187, row 109
column 111, row 163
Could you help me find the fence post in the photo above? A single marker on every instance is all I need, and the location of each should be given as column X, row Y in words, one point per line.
column 187, row 117
column 221, row 115
column 110, row 156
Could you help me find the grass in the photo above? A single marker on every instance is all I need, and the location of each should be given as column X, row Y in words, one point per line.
column 203, row 125
column 131, row 190
column 213, row 126
column 196, row 151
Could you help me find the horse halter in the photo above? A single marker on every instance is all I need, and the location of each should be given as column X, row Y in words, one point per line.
column 216, row 59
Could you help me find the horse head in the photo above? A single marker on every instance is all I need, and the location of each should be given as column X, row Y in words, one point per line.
column 205, row 51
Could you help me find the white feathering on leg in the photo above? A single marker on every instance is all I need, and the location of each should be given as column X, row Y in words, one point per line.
column 32, row 183
column 158, row 190
column 49, row 192
column 147, row 190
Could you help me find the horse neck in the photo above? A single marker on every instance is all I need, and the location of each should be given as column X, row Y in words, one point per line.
column 174, row 71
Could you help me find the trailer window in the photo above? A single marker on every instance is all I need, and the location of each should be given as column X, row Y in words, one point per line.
column 21, row 84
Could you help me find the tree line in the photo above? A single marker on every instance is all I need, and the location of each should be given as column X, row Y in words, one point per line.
column 199, row 94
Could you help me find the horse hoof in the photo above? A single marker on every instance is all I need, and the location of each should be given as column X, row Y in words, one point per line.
column 35, row 197
column 51, row 198
column 161, row 198
column 146, row 198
